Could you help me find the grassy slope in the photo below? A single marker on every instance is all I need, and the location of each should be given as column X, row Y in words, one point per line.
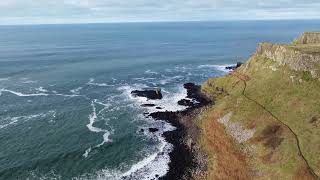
column 273, row 151
column 306, row 48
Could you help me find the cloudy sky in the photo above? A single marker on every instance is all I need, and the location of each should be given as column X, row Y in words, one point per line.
column 83, row 11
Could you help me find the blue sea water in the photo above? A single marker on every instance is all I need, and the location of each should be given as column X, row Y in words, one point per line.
column 65, row 106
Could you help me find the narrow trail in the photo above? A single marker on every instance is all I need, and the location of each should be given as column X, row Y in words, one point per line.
column 281, row 122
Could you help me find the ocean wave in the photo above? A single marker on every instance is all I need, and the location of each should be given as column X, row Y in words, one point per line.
column 26, row 80
column 91, row 82
column 169, row 102
column 22, row 94
column 11, row 121
column 179, row 69
column 167, row 80
column 143, row 79
column 150, row 72
column 4, row 79
column 153, row 166
column 92, row 119
column 29, row 82
column 41, row 89
column 76, row 91
column 217, row 67
column 156, row 164
column 35, row 94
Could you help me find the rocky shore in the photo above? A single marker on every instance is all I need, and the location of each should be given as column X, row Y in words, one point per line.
column 187, row 160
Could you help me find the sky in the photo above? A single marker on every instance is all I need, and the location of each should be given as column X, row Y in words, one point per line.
column 104, row 11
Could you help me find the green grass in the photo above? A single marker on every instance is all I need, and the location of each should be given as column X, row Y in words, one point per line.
column 306, row 75
column 293, row 102
column 305, row 48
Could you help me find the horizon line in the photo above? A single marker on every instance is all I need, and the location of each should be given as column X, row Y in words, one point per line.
column 164, row 21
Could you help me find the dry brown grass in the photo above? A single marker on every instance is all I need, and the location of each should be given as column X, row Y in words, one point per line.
column 228, row 163
column 303, row 173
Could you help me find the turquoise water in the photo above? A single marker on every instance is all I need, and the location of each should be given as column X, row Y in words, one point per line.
column 65, row 105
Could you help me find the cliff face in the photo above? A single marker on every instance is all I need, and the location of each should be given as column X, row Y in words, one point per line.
column 298, row 57
column 309, row 38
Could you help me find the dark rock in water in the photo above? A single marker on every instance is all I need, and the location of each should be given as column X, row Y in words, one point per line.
column 153, row 130
column 235, row 66
column 182, row 156
column 141, row 130
column 150, row 94
column 168, row 115
column 148, row 105
column 194, row 93
column 185, row 102
column 239, row 64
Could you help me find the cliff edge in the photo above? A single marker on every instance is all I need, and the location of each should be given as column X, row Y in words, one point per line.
column 309, row 38
column 265, row 123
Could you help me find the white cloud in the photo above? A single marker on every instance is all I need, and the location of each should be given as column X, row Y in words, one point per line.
column 155, row 10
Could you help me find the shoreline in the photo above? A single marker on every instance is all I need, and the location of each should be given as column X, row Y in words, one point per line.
column 186, row 159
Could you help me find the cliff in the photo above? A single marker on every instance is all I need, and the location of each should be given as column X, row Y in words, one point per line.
column 265, row 123
column 309, row 38
column 297, row 57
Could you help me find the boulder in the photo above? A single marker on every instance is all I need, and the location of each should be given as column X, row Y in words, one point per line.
column 153, row 130
column 149, row 94
column 148, row 105
column 185, row 102
column 235, row 66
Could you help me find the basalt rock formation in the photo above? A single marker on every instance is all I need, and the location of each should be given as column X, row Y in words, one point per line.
column 149, row 93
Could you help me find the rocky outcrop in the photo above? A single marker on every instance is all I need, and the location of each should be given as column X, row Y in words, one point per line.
column 295, row 58
column 234, row 67
column 309, row 38
column 149, row 93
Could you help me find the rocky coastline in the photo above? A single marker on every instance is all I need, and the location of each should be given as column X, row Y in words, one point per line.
column 186, row 158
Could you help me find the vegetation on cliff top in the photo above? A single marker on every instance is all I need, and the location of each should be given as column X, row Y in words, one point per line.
column 280, row 105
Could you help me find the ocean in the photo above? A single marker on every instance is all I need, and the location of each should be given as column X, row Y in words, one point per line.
column 66, row 111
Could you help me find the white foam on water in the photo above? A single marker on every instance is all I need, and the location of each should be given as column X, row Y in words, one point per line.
column 86, row 153
column 169, row 102
column 143, row 79
column 41, row 89
column 179, row 69
column 92, row 119
column 15, row 120
column 217, row 67
column 150, row 72
column 91, row 82
column 51, row 175
column 35, row 94
column 106, row 106
column 169, row 79
column 155, row 165
column 66, row 95
column 22, row 94
column 76, row 91
column 27, row 81
column 4, row 79
column 105, row 139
